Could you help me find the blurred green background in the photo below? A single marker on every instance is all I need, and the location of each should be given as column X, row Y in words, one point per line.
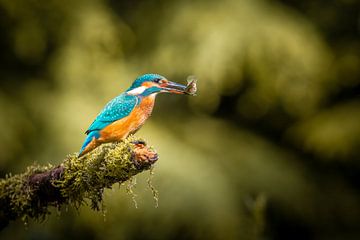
column 269, row 149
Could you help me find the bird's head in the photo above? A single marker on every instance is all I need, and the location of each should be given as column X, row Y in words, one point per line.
column 148, row 84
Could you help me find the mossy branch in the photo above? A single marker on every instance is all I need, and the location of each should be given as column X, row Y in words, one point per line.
column 75, row 181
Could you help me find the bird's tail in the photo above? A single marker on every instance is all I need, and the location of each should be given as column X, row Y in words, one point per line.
column 89, row 143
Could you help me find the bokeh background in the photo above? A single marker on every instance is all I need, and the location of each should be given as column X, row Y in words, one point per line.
column 268, row 149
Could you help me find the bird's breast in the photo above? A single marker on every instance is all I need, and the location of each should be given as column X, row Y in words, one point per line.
column 122, row 128
column 146, row 105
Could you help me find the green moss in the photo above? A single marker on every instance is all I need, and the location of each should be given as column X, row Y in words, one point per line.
column 17, row 199
column 154, row 192
column 86, row 177
column 82, row 180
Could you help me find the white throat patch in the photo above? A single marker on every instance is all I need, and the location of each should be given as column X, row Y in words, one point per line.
column 137, row 91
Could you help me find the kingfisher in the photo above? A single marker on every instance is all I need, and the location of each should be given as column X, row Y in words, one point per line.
column 126, row 113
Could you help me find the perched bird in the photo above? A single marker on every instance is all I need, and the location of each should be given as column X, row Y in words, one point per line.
column 126, row 113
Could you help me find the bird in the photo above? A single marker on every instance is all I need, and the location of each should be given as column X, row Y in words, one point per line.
column 126, row 113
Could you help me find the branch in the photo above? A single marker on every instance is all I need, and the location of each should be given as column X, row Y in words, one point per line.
column 74, row 181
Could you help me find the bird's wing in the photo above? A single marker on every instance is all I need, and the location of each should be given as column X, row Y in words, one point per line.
column 116, row 109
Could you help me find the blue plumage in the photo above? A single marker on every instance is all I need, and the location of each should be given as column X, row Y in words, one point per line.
column 150, row 91
column 88, row 139
column 123, row 105
column 144, row 78
column 116, row 109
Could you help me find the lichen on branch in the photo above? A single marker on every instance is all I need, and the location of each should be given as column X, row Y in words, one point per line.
column 75, row 181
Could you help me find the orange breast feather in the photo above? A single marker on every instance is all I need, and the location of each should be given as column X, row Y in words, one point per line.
column 122, row 128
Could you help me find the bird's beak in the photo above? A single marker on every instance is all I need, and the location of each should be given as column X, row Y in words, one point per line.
column 173, row 87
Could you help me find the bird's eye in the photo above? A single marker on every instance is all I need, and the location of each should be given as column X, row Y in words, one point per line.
column 159, row 80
